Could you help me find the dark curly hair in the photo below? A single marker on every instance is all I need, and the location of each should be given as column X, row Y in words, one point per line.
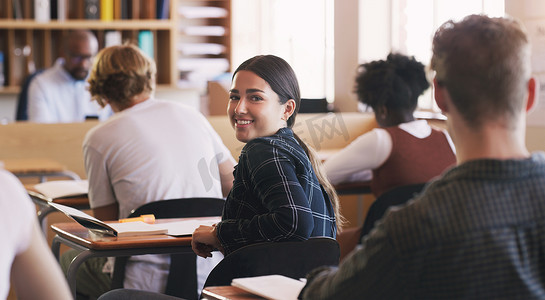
column 395, row 83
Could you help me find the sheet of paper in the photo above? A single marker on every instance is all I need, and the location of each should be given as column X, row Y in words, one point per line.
column 186, row 227
column 275, row 287
column 137, row 228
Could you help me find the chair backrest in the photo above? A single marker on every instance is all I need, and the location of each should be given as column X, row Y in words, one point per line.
column 292, row 259
column 182, row 277
column 22, row 99
column 395, row 196
column 314, row 105
column 181, row 208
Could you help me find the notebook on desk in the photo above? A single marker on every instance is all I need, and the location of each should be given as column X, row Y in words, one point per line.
column 173, row 228
column 62, row 188
column 111, row 228
column 277, row 287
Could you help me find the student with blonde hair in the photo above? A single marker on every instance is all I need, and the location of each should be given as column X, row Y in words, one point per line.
column 149, row 150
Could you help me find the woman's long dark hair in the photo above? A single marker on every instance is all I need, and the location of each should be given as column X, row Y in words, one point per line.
column 282, row 80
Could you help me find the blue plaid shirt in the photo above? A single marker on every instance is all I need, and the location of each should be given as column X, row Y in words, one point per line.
column 275, row 196
column 476, row 233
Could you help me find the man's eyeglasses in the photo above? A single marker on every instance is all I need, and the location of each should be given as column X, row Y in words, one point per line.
column 76, row 59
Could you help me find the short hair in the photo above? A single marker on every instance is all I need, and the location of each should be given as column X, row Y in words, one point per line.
column 280, row 77
column 484, row 64
column 119, row 73
column 76, row 36
column 395, row 83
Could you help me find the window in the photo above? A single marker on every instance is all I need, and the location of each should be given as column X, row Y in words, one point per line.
column 298, row 31
column 413, row 23
column 302, row 32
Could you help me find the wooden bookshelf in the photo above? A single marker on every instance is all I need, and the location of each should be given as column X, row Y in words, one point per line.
column 204, row 39
column 28, row 44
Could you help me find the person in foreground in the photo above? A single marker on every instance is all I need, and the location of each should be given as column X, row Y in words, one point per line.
column 59, row 94
column 149, row 150
column 26, row 258
column 476, row 232
column 279, row 193
column 403, row 150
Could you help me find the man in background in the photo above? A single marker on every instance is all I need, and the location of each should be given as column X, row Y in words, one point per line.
column 59, row 94
column 478, row 231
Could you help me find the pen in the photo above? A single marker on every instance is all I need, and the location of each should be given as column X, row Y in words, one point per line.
column 150, row 219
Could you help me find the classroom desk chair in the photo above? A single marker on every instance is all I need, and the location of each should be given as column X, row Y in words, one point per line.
column 291, row 259
column 350, row 237
column 182, row 278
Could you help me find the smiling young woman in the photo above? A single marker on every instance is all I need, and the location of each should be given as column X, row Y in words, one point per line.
column 279, row 192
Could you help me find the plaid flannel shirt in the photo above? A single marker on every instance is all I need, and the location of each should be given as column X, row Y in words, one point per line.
column 275, row 196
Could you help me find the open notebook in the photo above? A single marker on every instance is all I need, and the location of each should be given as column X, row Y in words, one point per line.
column 116, row 229
column 275, row 287
column 62, row 188
column 175, row 228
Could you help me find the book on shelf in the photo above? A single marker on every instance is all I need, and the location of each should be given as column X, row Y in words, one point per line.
column 76, row 9
column 17, row 10
column 163, row 9
column 277, row 287
column 42, row 11
column 117, row 9
column 134, row 9
column 136, row 228
column 148, row 9
column 125, row 9
column 62, row 188
column 2, row 76
column 106, row 10
column 112, row 38
column 92, row 9
column 59, row 9
column 62, row 10
column 145, row 42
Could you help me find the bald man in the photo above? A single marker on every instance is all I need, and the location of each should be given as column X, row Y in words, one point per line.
column 59, row 94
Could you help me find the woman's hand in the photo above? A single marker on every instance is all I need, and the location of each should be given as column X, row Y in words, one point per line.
column 205, row 240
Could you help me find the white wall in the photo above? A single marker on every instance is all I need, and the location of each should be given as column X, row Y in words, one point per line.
column 345, row 54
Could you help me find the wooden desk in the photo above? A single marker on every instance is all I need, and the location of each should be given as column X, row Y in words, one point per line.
column 93, row 245
column 37, row 167
column 227, row 293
